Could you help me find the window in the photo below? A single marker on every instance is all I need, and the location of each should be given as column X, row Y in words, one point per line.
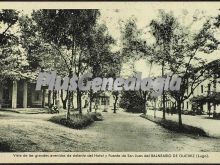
column 201, row 88
column 187, row 104
column 209, row 88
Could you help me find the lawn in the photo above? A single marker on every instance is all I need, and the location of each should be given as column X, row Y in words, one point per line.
column 174, row 126
column 120, row 132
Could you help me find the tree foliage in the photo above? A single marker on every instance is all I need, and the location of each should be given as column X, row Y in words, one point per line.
column 13, row 61
column 182, row 54
column 132, row 101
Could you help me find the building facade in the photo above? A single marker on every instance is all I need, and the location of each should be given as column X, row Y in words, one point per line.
column 22, row 94
column 19, row 94
column 202, row 93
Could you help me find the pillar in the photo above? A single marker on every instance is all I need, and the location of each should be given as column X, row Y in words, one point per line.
column 25, row 94
column 14, row 95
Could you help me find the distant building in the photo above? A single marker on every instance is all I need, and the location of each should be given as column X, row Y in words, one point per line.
column 205, row 90
column 22, row 94
column 205, row 97
column 19, row 94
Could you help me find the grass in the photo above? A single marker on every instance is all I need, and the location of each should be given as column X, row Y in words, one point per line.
column 5, row 147
column 77, row 121
column 174, row 126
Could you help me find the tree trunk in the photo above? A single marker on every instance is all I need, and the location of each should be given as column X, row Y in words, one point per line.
column 43, row 99
column 145, row 101
column 163, row 97
column 214, row 111
column 209, row 109
column 53, row 97
column 115, row 103
column 79, row 107
column 90, row 100
column 179, row 113
column 69, row 103
column 164, row 106
column 155, row 109
column 64, row 101
column 72, row 103
column 69, row 96
column 57, row 100
column 49, row 98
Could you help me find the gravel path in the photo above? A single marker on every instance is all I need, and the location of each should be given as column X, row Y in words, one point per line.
column 118, row 132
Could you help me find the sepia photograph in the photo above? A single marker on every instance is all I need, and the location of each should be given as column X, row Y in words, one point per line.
column 129, row 78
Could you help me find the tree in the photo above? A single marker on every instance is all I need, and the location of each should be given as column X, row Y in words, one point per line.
column 217, row 20
column 13, row 57
column 115, row 72
column 182, row 60
column 68, row 31
column 162, row 29
column 101, row 56
column 132, row 101
column 134, row 47
column 40, row 55
column 8, row 18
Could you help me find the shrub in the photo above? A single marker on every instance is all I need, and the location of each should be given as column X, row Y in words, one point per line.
column 216, row 115
column 187, row 112
column 96, row 116
column 173, row 110
column 132, row 101
column 167, row 110
column 77, row 121
column 5, row 147
column 160, row 109
column 174, row 126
